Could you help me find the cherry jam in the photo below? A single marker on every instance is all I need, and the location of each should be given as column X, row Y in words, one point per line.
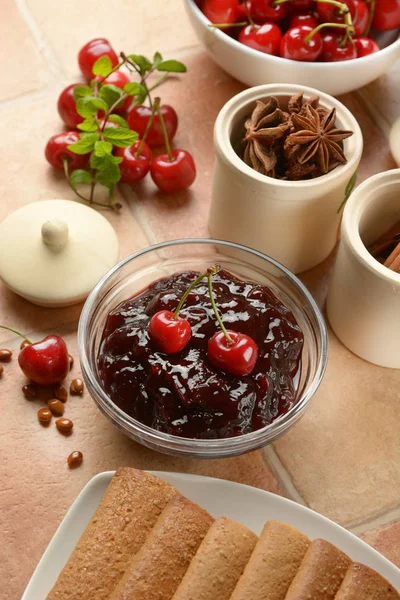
column 184, row 394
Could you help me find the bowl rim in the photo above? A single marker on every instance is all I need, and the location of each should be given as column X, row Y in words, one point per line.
column 193, row 446
column 335, row 66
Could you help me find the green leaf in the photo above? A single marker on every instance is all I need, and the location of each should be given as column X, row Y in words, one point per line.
column 157, row 58
column 141, row 62
column 107, row 168
column 102, row 148
column 141, row 97
column 118, row 120
column 132, row 88
column 80, row 91
column 120, row 136
column 349, row 188
column 110, row 93
column 88, row 125
column 171, row 66
column 88, row 106
column 102, row 66
column 79, row 176
column 101, row 163
column 85, row 144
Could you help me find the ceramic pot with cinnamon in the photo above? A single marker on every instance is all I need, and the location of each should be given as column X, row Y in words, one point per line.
column 294, row 221
column 363, row 304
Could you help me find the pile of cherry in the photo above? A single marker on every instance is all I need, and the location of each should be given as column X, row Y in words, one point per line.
column 305, row 30
column 150, row 126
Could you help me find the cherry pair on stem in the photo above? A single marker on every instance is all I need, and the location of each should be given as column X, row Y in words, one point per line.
column 45, row 362
column 231, row 351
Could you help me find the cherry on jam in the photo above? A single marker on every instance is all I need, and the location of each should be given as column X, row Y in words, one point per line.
column 184, row 393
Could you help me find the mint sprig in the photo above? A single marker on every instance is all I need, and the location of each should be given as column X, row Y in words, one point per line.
column 97, row 104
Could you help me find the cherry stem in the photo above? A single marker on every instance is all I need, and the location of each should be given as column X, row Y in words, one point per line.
column 214, row 306
column 159, row 82
column 17, row 332
column 372, row 4
column 186, row 294
column 227, row 25
column 66, row 171
column 248, row 15
column 149, row 124
column 164, row 130
column 321, row 26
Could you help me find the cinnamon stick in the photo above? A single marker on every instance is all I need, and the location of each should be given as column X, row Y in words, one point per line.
column 393, row 260
column 386, row 239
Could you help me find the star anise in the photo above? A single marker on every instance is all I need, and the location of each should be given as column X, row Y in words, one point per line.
column 267, row 124
column 315, row 139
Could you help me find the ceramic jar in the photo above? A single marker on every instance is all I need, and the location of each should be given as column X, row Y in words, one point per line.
column 363, row 304
column 294, row 222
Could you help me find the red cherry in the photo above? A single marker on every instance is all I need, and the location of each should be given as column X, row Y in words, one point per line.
column 365, row 46
column 294, row 46
column 91, row 52
column 263, row 11
column 66, row 106
column 242, row 12
column 45, row 362
column 302, row 5
column 329, row 13
column 303, row 19
column 170, row 333
column 238, row 358
column 332, row 51
column 386, row 15
column 361, row 19
column 56, row 150
column 119, row 79
column 134, row 168
column 173, row 175
column 265, row 38
column 221, row 11
column 139, row 117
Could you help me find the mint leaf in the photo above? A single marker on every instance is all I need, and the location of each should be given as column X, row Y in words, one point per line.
column 85, row 144
column 110, row 93
column 120, row 136
column 79, row 176
column 102, row 148
column 171, row 66
column 157, row 58
column 102, row 66
column 141, row 62
column 118, row 120
column 101, row 163
column 89, row 105
column 88, row 125
column 80, row 91
column 141, row 96
column 107, row 168
column 132, row 88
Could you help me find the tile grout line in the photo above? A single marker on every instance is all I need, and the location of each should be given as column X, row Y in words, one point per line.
column 383, row 519
column 371, row 110
column 133, row 203
column 44, row 49
column 282, row 475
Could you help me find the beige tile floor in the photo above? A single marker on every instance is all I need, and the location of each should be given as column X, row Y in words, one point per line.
column 342, row 459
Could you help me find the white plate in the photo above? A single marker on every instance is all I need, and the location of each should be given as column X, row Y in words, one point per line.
column 250, row 506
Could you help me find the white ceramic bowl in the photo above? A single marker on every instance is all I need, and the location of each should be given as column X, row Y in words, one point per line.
column 256, row 68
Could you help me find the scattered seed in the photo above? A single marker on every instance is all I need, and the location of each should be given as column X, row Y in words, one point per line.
column 29, row 391
column 44, row 415
column 56, row 407
column 76, row 387
column 1, row 370
column 5, row 355
column 60, row 392
column 64, row 425
column 75, row 459
column 71, row 362
column 24, row 343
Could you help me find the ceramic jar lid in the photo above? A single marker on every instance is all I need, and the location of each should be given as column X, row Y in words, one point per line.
column 53, row 252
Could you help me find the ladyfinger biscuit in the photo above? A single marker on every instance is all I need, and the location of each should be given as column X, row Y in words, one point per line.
column 274, row 563
column 126, row 514
column 218, row 563
column 320, row 574
column 157, row 569
column 363, row 583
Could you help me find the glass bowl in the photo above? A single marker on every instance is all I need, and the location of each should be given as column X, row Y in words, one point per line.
column 139, row 270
